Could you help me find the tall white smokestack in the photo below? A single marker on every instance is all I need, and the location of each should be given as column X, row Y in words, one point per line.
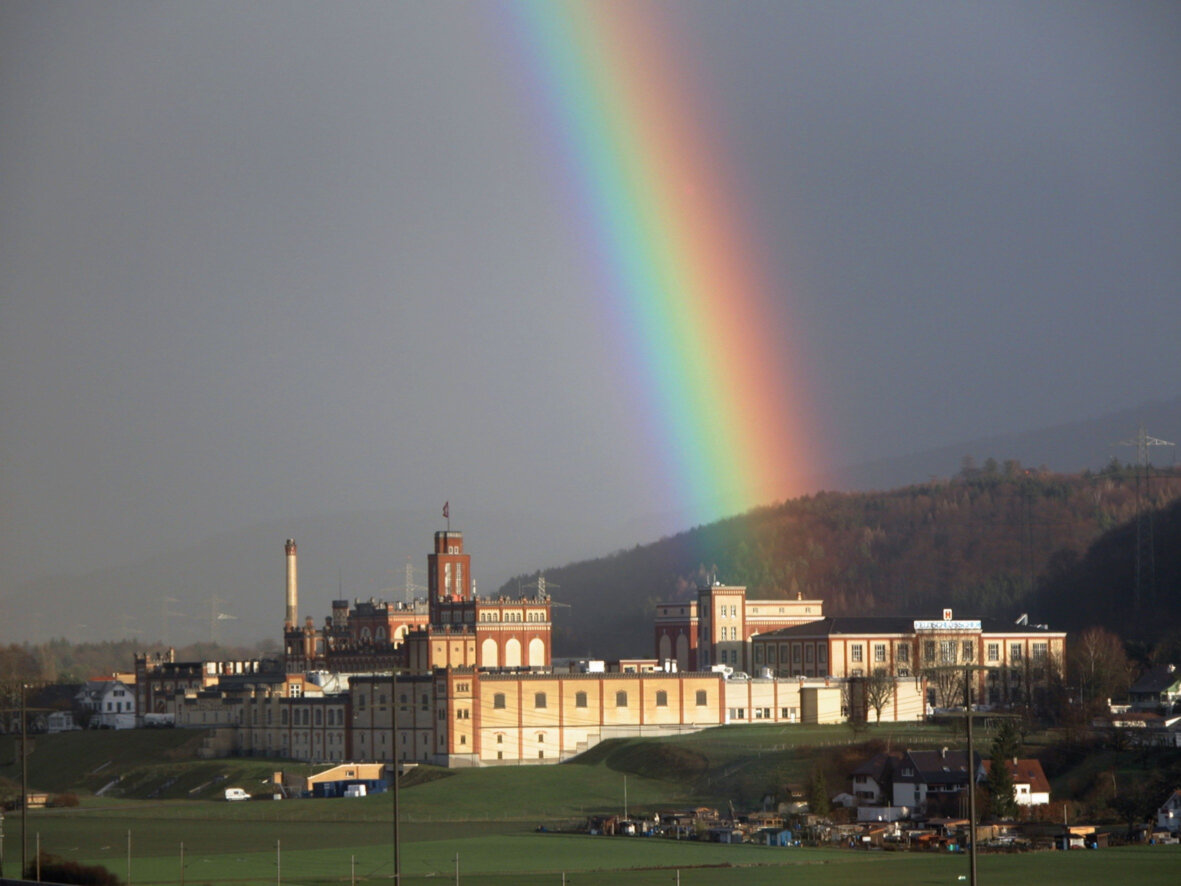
column 292, row 586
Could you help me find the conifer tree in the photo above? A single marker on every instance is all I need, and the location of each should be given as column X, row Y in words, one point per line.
column 1006, row 747
column 818, row 802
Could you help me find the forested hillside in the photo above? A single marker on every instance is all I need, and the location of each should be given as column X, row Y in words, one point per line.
column 981, row 543
column 1099, row 588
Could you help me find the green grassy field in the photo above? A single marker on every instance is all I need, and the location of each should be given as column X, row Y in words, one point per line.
column 253, row 846
column 486, row 817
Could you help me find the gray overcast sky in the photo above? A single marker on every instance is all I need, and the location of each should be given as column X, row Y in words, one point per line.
column 264, row 259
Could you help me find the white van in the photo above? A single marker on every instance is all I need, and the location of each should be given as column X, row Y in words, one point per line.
column 236, row 794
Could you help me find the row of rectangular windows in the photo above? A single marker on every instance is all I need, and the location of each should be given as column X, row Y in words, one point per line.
column 947, row 652
column 764, row 713
column 807, row 652
column 541, row 700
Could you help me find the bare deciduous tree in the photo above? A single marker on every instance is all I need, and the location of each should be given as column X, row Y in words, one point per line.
column 879, row 689
column 1099, row 665
column 948, row 683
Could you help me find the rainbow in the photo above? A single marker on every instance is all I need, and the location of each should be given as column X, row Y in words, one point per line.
column 717, row 389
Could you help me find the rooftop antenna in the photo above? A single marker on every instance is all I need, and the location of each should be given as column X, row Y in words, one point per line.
column 1145, row 544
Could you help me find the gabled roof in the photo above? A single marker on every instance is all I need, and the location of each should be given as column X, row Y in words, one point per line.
column 1157, row 680
column 97, row 687
column 876, row 766
column 1173, row 801
column 944, row 767
column 1025, row 772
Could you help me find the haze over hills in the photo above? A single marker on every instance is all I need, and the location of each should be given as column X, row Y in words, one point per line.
column 1087, row 444
column 229, row 587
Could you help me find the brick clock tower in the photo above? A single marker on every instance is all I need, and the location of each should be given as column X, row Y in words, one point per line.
column 466, row 631
column 449, row 569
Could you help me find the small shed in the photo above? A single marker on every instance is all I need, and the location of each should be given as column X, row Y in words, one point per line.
column 781, row 837
column 333, row 782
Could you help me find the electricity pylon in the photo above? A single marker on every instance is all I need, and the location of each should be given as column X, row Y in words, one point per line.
column 1145, row 543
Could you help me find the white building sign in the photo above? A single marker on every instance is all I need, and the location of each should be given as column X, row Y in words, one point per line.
column 947, row 626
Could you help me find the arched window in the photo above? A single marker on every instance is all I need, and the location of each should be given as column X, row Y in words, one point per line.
column 621, row 699
column 580, row 699
column 498, row 700
column 661, row 699
column 539, row 700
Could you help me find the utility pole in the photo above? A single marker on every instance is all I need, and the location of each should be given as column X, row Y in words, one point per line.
column 394, row 705
column 971, row 778
column 25, row 785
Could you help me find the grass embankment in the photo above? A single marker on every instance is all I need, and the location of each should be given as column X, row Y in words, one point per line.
column 738, row 764
column 139, row 763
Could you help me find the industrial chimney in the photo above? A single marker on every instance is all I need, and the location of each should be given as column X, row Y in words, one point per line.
column 292, row 587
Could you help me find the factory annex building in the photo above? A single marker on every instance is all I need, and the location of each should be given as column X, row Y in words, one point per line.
column 463, row 680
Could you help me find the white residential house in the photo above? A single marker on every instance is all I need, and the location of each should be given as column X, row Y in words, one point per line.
column 1168, row 817
column 871, row 779
column 1158, row 688
column 1030, row 785
column 112, row 703
column 932, row 781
